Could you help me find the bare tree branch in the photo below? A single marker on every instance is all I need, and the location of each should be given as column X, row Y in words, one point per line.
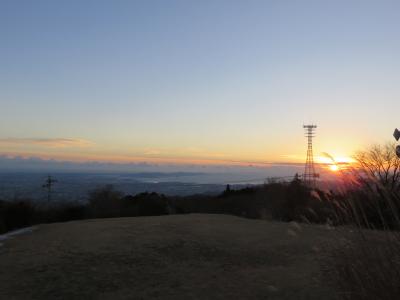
column 379, row 163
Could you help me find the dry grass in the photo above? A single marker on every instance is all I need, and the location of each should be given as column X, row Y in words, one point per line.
column 366, row 266
column 196, row 256
column 365, row 262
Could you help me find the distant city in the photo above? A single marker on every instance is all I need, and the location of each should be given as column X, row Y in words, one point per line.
column 76, row 186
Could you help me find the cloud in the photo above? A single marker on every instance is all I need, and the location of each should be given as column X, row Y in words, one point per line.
column 152, row 152
column 13, row 163
column 48, row 142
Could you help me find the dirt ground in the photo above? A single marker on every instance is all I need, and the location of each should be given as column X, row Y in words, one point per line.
column 170, row 257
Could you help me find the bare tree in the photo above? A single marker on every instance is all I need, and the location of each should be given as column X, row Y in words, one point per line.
column 380, row 163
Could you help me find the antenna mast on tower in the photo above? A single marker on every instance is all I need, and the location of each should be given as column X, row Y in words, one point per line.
column 309, row 172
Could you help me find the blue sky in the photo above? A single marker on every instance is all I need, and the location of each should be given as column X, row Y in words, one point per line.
column 195, row 81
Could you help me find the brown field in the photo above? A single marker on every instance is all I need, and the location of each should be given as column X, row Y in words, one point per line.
column 170, row 257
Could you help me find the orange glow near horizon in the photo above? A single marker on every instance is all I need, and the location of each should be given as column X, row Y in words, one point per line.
column 335, row 159
column 127, row 159
column 334, row 168
column 335, row 164
column 326, row 161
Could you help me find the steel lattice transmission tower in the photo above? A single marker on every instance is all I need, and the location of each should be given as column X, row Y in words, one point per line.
column 309, row 175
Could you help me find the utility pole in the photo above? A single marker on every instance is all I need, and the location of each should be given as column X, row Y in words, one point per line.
column 310, row 176
column 48, row 185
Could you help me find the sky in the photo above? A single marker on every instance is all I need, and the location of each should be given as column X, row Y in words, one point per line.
column 196, row 82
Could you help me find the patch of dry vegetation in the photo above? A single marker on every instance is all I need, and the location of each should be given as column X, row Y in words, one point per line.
column 367, row 265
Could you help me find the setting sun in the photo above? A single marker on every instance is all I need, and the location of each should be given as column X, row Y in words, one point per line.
column 334, row 163
column 334, row 168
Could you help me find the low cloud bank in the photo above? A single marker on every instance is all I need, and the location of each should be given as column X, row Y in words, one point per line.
column 35, row 164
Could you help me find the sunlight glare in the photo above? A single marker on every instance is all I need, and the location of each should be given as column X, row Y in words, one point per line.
column 334, row 168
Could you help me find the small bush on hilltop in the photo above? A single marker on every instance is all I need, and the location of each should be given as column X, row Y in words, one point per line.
column 15, row 215
column 145, row 204
column 105, row 202
column 23, row 213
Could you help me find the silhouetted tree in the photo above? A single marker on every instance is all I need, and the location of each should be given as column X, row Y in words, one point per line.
column 379, row 163
column 105, row 202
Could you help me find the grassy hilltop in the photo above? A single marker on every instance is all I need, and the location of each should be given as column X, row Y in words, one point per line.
column 169, row 257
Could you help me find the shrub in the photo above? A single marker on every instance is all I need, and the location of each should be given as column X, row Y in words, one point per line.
column 15, row 215
column 145, row 204
column 105, row 202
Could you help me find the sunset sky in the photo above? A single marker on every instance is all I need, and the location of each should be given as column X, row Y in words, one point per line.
column 196, row 81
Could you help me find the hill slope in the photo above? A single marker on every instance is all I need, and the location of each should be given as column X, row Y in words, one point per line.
column 170, row 257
